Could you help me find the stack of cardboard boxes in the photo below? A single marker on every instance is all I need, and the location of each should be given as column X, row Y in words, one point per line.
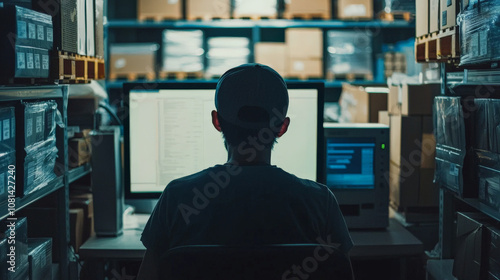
column 412, row 145
column 394, row 62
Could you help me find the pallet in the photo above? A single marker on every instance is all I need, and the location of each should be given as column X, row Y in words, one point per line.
column 157, row 18
column 73, row 68
column 349, row 77
column 302, row 77
column 442, row 46
column 62, row 66
column 412, row 215
column 180, row 75
column 396, row 15
column 307, row 16
column 255, row 17
column 151, row 76
column 206, row 18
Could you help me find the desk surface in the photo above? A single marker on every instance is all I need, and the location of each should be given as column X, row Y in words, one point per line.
column 391, row 242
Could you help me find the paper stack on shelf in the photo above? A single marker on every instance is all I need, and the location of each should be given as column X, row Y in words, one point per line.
column 183, row 51
column 225, row 53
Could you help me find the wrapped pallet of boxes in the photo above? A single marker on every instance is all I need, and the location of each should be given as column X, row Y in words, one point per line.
column 208, row 9
column 355, row 9
column 479, row 33
column 159, row 10
column 40, row 258
column 183, row 51
column 17, row 253
column 359, row 106
column 28, row 39
column 492, row 254
column 308, row 9
column 225, row 53
column 399, row 6
column 349, row 54
column 272, row 54
column 255, row 9
column 133, row 61
column 305, row 52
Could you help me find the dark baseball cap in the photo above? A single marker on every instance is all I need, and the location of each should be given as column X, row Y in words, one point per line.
column 253, row 86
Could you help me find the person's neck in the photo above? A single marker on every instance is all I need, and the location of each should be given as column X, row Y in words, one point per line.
column 248, row 156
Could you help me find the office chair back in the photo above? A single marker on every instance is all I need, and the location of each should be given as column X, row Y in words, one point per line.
column 287, row 262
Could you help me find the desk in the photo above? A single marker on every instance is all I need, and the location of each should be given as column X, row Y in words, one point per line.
column 395, row 241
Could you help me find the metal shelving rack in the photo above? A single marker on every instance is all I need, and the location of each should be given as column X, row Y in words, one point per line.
column 60, row 185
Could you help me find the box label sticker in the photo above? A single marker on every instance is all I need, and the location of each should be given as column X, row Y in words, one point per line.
column 2, row 183
column 29, row 61
column 29, row 127
column 445, row 18
column 32, row 31
column 37, row 61
column 38, row 124
column 41, row 32
column 483, row 43
column 50, row 34
column 45, row 62
column 21, row 60
column 6, row 129
column 22, row 32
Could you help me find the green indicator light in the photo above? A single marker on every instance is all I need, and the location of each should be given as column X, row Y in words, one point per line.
column 383, row 146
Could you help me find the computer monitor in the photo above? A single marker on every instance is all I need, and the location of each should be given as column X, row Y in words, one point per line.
column 356, row 169
column 168, row 134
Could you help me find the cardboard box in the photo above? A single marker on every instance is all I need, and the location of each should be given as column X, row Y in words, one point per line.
column 355, row 9
column 76, row 228
column 412, row 186
column 422, row 18
column 90, row 27
column 305, row 68
column 383, row 118
column 255, row 8
column 7, row 159
column 134, row 58
column 434, row 16
column 81, row 34
column 40, row 258
column 159, row 9
column 272, row 54
column 99, row 28
column 208, row 9
column 78, row 152
column 305, row 43
column 85, row 202
column 359, row 106
column 312, row 7
column 412, row 100
column 448, row 13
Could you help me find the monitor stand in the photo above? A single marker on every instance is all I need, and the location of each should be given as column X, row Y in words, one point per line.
column 142, row 206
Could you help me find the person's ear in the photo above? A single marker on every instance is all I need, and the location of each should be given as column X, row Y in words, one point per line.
column 215, row 120
column 284, row 127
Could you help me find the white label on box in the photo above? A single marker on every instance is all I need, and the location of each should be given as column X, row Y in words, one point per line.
column 2, row 183
column 31, row 31
column 173, row 2
column 21, row 60
column 29, row 61
column 6, row 129
column 299, row 66
column 45, row 62
column 120, row 63
column 483, row 43
column 22, row 33
column 38, row 124
column 37, row 61
column 29, row 127
column 50, row 34
column 454, row 170
column 41, row 32
column 355, row 10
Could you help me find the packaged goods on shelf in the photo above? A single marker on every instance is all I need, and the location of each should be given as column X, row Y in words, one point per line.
column 40, row 258
column 25, row 62
column 480, row 33
column 7, row 129
column 225, row 53
column 159, row 10
column 487, row 123
column 256, row 8
column 448, row 13
column 304, row 68
column 132, row 59
column 359, row 106
column 39, row 166
column 90, row 27
column 208, row 9
column 273, row 55
column 349, row 52
column 19, row 229
column 434, row 16
column 391, row 6
column 492, row 253
column 307, row 8
column 183, row 51
column 355, row 9
column 412, row 99
column 422, row 18
column 489, row 186
column 99, row 28
column 7, row 159
column 40, row 120
column 25, row 27
column 78, row 152
column 305, row 43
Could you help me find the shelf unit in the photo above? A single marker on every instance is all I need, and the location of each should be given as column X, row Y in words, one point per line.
column 58, row 187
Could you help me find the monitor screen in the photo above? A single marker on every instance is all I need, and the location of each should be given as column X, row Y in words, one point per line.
column 350, row 163
column 169, row 134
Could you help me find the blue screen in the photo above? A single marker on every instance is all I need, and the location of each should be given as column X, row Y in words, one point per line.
column 350, row 163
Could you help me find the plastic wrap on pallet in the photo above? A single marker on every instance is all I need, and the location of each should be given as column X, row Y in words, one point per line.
column 481, row 124
column 489, row 186
column 449, row 130
column 41, row 119
column 225, row 53
column 494, row 125
column 40, row 258
column 264, row 8
column 349, row 52
column 20, row 228
column 391, row 6
column 183, row 51
column 24, row 62
column 480, row 33
column 7, row 129
column 39, row 166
